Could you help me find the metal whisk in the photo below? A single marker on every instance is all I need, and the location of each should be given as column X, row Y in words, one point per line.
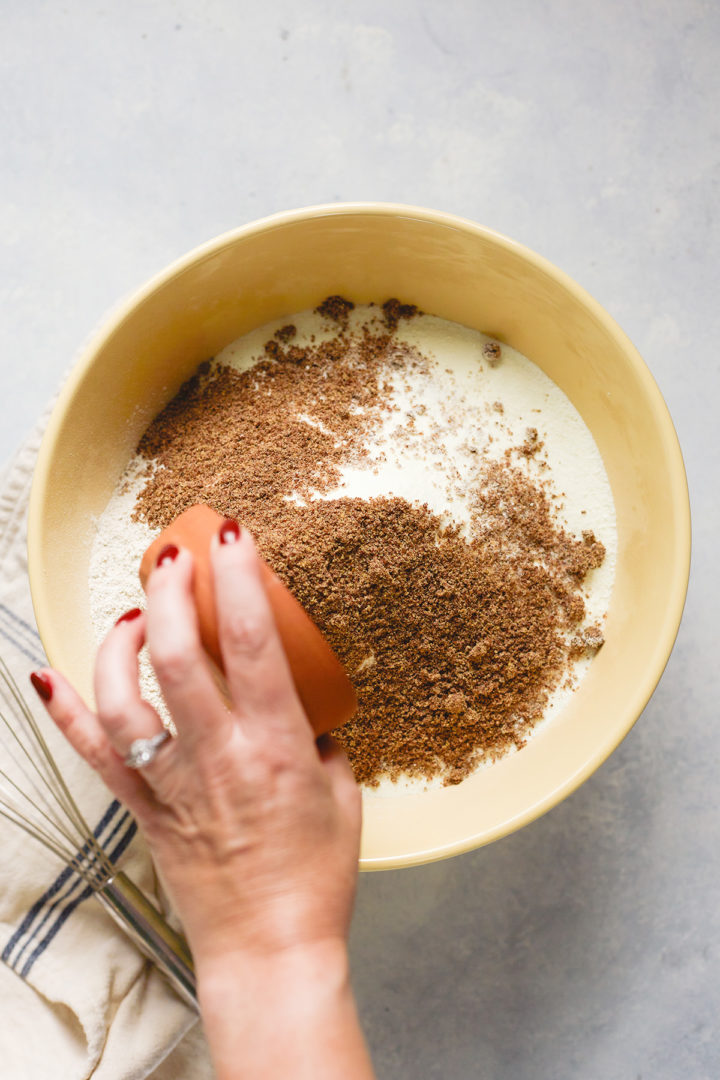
column 36, row 798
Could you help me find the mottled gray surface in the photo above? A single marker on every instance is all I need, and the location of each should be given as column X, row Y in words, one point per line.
column 585, row 946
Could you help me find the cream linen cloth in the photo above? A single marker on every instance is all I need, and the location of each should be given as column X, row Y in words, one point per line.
column 77, row 999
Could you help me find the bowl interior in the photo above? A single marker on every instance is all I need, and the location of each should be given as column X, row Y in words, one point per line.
column 449, row 268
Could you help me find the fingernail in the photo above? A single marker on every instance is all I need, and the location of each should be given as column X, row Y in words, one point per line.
column 42, row 684
column 129, row 615
column 229, row 532
column 168, row 554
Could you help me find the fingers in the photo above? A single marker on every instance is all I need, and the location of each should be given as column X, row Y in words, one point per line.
column 121, row 710
column 86, row 735
column 256, row 668
column 176, row 653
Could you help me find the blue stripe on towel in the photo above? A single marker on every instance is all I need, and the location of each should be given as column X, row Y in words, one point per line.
column 26, row 640
column 22, row 635
column 54, row 889
column 37, row 659
column 64, row 897
column 113, row 855
column 20, row 622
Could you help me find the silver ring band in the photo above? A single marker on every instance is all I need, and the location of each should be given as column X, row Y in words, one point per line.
column 142, row 751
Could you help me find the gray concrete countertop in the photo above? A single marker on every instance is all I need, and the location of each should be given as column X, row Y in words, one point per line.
column 585, row 946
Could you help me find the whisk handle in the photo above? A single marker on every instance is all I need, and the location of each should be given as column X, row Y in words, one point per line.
column 144, row 924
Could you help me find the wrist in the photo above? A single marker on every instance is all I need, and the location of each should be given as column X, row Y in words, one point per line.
column 295, row 980
column 291, row 1012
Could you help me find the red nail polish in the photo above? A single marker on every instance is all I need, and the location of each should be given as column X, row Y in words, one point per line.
column 133, row 613
column 42, row 684
column 229, row 532
column 168, row 554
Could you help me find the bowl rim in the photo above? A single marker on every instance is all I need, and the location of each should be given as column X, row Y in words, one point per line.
column 676, row 475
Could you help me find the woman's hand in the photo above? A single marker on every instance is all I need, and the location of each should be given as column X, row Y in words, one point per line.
column 254, row 830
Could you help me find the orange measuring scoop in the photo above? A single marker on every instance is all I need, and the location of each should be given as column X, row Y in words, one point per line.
column 326, row 693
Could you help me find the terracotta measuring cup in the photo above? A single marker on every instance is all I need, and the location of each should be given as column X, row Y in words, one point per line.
column 326, row 693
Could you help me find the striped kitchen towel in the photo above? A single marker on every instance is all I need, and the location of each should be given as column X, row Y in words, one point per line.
column 77, row 1000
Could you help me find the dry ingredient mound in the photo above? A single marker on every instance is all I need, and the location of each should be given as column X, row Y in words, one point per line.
column 454, row 645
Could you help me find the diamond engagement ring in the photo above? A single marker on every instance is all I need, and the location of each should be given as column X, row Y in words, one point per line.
column 142, row 751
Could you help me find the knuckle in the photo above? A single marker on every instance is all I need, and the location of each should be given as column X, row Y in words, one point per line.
column 114, row 720
column 245, row 634
column 270, row 767
column 96, row 755
column 173, row 662
column 164, row 776
column 66, row 721
column 276, row 700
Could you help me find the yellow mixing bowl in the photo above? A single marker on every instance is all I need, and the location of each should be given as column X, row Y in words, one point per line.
column 459, row 271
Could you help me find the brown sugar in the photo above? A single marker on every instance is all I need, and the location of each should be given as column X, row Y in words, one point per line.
column 492, row 352
column 453, row 652
column 336, row 308
column 533, row 443
column 393, row 311
column 588, row 641
column 453, row 645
